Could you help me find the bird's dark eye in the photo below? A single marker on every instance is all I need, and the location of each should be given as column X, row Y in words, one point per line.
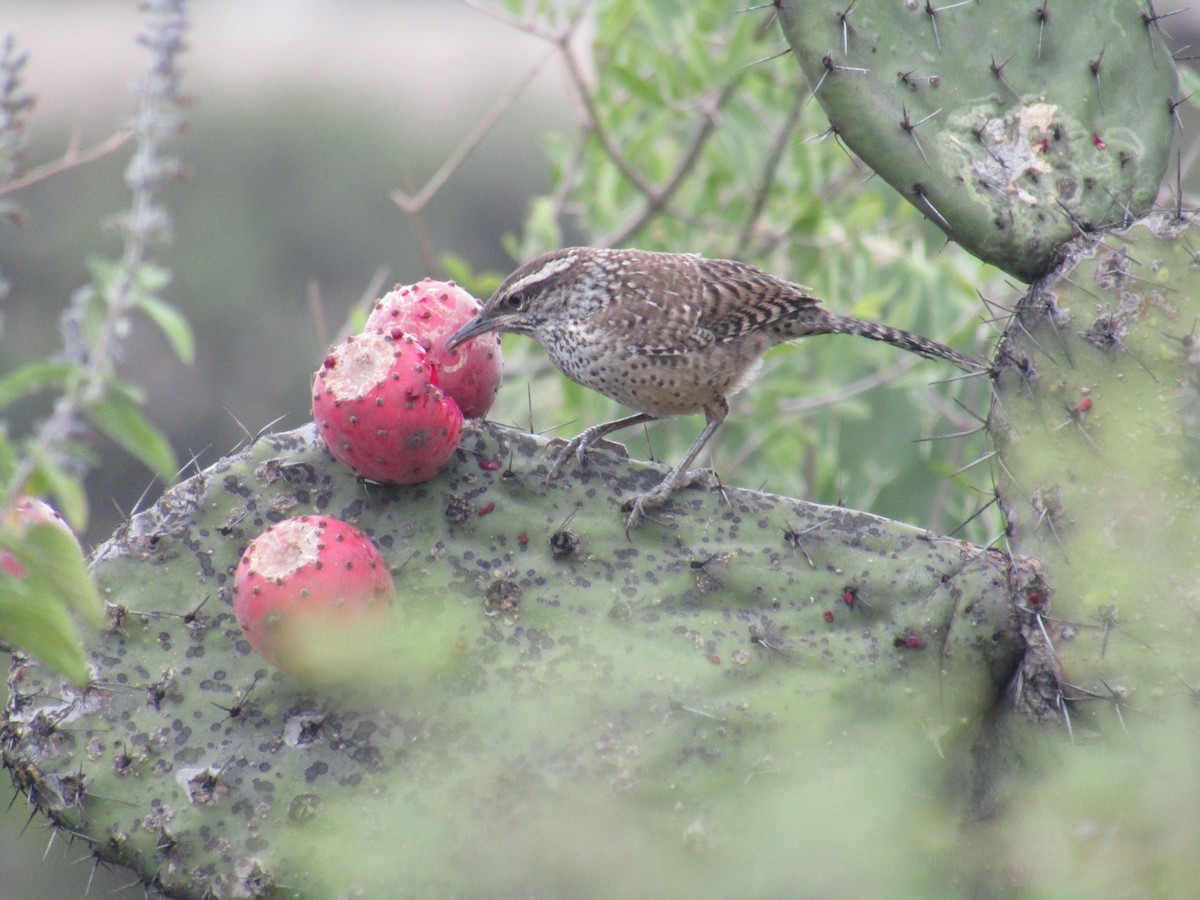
column 516, row 302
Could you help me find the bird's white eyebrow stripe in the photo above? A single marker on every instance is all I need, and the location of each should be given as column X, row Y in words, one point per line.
column 549, row 270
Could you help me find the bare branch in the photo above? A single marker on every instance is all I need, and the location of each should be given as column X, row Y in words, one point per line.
column 408, row 202
column 596, row 123
column 416, row 215
column 767, row 180
column 529, row 27
column 659, row 198
column 72, row 158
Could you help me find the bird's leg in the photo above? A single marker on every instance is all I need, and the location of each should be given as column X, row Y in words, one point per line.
column 581, row 443
column 714, row 415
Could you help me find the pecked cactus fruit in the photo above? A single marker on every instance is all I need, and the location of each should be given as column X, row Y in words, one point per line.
column 1012, row 127
column 379, row 409
column 555, row 709
column 312, row 595
column 431, row 311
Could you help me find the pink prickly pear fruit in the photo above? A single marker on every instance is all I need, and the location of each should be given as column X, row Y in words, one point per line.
column 29, row 511
column 379, row 410
column 314, row 597
column 431, row 311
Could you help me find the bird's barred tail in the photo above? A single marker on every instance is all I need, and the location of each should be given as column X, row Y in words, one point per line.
column 905, row 340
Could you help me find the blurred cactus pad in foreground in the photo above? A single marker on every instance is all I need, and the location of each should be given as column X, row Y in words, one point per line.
column 553, row 703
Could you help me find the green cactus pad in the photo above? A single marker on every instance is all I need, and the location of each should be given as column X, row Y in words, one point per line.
column 703, row 710
column 1010, row 126
column 1095, row 398
column 1094, row 426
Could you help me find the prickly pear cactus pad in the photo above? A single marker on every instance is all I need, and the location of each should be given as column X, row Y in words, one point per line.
column 705, row 710
column 1011, row 126
column 1095, row 425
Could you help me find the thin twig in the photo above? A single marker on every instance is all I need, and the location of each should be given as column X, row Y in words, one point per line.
column 409, row 202
column 596, row 124
column 528, row 26
column 416, row 215
column 566, row 185
column 72, row 158
column 770, row 169
column 659, row 198
column 844, row 392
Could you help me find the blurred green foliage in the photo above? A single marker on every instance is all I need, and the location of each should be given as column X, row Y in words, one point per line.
column 281, row 215
column 51, row 458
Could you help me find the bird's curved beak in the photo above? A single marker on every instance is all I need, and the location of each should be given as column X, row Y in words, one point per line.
column 477, row 326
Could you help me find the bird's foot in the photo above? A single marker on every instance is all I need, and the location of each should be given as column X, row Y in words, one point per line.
column 635, row 507
column 658, row 495
column 578, row 447
column 707, row 478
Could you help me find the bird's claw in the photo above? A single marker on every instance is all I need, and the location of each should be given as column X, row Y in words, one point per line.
column 635, row 507
column 707, row 478
column 579, row 448
column 561, row 456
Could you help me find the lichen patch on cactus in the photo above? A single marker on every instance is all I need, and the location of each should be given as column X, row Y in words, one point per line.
column 1007, row 130
column 1008, row 150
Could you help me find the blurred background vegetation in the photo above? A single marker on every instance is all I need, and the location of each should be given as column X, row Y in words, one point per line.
column 307, row 116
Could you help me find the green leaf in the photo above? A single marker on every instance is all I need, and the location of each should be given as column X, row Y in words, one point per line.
column 128, row 391
column 38, row 625
column 479, row 284
column 35, row 605
column 122, row 421
column 150, row 278
column 107, row 274
column 90, row 304
column 70, row 498
column 54, row 563
column 34, row 377
column 456, row 268
column 638, row 85
column 172, row 324
column 103, row 272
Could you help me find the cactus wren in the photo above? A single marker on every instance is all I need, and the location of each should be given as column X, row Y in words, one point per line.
column 666, row 334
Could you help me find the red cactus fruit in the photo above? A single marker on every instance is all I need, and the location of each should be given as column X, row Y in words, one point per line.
column 379, row 409
column 310, row 594
column 431, row 311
